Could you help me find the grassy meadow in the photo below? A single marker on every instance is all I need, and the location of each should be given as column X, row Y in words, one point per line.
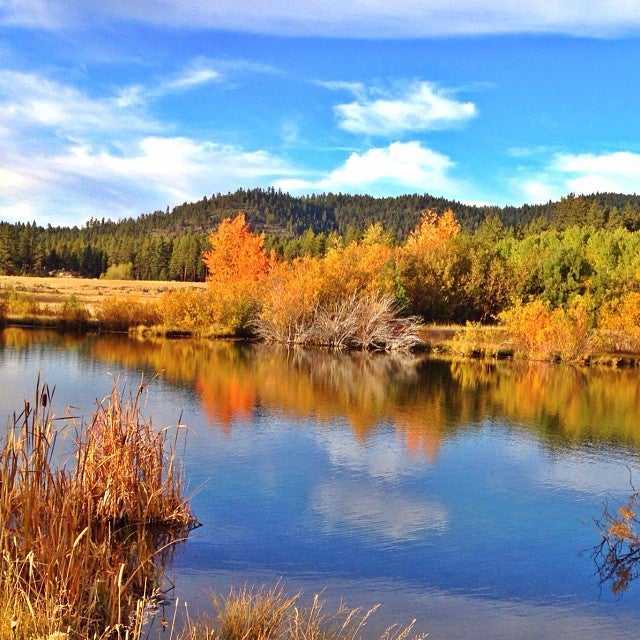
column 89, row 292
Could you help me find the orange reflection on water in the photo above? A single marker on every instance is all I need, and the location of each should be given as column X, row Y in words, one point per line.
column 424, row 400
column 226, row 403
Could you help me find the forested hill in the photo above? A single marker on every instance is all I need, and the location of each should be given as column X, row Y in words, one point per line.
column 283, row 215
column 169, row 244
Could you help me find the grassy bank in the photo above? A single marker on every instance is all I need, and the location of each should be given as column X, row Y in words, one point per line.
column 177, row 309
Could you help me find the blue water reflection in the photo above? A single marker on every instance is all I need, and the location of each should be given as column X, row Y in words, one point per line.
column 451, row 501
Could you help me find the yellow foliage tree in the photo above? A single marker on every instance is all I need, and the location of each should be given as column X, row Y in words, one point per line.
column 542, row 333
column 366, row 267
column 619, row 322
column 186, row 310
column 428, row 265
column 292, row 294
column 432, row 232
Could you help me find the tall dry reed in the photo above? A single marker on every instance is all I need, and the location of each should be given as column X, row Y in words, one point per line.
column 84, row 537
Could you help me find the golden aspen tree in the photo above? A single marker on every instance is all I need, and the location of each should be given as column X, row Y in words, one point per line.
column 428, row 265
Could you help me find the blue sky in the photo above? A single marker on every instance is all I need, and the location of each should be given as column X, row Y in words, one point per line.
column 113, row 109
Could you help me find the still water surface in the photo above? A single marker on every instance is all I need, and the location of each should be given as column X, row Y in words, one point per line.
column 460, row 494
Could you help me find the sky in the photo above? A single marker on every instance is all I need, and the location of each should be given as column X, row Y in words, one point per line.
column 115, row 109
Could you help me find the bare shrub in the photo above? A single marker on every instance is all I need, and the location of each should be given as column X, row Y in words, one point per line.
column 381, row 327
column 370, row 322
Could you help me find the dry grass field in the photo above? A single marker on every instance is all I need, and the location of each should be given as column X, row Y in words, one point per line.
column 54, row 292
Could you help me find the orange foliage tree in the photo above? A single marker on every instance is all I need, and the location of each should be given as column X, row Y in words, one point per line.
column 237, row 265
column 345, row 299
column 291, row 296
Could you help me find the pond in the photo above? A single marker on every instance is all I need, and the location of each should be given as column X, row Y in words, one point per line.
column 462, row 494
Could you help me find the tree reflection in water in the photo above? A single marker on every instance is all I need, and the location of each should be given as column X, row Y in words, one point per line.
column 617, row 555
column 425, row 399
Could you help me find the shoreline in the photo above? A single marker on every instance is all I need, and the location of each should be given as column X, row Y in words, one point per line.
column 50, row 294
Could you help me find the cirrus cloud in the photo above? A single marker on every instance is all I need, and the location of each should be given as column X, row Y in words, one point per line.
column 341, row 18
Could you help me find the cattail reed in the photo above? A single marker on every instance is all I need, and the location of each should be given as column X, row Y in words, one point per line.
column 84, row 536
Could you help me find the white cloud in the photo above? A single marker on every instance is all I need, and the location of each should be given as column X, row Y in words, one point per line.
column 68, row 156
column 384, row 512
column 82, row 181
column 169, row 165
column 581, row 174
column 30, row 100
column 194, row 77
column 401, row 167
column 343, row 18
column 422, row 107
column 199, row 73
column 17, row 212
column 619, row 171
column 358, row 89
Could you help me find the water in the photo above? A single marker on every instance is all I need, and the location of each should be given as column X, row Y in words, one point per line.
column 460, row 494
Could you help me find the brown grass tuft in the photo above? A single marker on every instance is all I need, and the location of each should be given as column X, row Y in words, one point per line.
column 83, row 540
column 261, row 613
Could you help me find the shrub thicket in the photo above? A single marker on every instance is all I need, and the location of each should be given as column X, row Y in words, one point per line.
column 120, row 314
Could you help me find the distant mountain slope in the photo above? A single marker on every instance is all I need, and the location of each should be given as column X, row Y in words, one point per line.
column 278, row 213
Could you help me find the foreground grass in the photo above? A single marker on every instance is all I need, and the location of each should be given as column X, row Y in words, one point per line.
column 84, row 536
column 270, row 614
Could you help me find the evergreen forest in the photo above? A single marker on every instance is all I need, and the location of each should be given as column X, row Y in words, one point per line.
column 169, row 245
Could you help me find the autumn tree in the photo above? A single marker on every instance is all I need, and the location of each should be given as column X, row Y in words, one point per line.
column 237, row 266
column 429, row 268
column 291, row 297
column 619, row 322
column 364, row 266
column 540, row 332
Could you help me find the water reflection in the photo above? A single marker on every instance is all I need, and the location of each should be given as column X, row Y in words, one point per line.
column 390, row 515
column 460, row 493
column 617, row 556
column 424, row 400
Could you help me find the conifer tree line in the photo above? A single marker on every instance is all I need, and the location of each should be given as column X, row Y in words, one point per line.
column 169, row 245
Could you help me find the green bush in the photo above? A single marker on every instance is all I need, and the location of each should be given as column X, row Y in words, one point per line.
column 121, row 271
